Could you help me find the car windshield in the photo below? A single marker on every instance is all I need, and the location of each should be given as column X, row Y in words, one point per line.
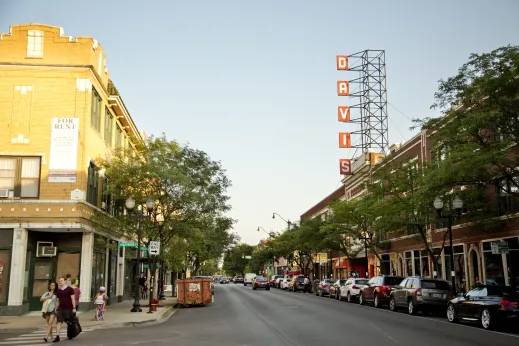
column 392, row 280
column 261, row 278
column 361, row 281
column 435, row 285
column 223, row 278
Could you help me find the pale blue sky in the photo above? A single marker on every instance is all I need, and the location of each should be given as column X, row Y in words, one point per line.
column 253, row 83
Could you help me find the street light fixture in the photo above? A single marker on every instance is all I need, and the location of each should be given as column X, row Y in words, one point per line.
column 130, row 204
column 457, row 205
column 288, row 222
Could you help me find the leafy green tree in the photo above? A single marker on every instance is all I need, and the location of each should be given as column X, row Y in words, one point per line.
column 235, row 262
column 186, row 186
column 261, row 256
column 351, row 226
column 208, row 268
column 476, row 142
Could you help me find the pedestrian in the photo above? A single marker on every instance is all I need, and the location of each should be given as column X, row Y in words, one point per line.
column 68, row 280
column 308, row 288
column 145, row 291
column 77, row 293
column 48, row 309
column 65, row 305
column 142, row 280
column 100, row 303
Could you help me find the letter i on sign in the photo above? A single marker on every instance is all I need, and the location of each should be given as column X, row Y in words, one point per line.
column 344, row 113
column 344, row 140
column 345, row 166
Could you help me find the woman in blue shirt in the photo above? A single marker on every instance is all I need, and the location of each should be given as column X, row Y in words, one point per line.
column 49, row 308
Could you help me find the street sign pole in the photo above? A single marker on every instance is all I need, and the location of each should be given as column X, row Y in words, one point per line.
column 153, row 250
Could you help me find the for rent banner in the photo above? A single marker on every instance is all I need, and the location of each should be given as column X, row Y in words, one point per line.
column 63, row 150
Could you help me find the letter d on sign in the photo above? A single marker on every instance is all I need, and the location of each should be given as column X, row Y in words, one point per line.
column 342, row 62
column 344, row 140
column 345, row 166
column 343, row 88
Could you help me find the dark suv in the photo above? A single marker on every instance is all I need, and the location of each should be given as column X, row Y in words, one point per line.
column 379, row 289
column 238, row 280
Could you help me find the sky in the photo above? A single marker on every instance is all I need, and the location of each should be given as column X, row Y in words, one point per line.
column 253, row 83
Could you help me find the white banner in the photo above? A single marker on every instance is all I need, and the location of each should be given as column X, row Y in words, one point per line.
column 63, row 150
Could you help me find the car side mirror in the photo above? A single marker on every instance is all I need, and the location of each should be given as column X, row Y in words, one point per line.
column 461, row 295
column 397, row 287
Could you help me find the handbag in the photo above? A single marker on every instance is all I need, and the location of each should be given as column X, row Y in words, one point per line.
column 45, row 307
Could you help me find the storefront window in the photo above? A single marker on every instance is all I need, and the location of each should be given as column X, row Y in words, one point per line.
column 437, row 263
column 26, row 276
column 98, row 272
column 425, row 264
column 459, row 266
column 408, row 263
column 416, row 256
column 5, row 265
column 385, row 265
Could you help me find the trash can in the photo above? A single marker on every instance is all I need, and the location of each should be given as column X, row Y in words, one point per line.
column 194, row 291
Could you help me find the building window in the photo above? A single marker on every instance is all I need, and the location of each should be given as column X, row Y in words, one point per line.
column 118, row 137
column 109, row 120
column 34, row 44
column 93, row 180
column 20, row 176
column 95, row 119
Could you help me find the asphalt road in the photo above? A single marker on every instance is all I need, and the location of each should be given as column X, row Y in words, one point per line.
column 241, row 316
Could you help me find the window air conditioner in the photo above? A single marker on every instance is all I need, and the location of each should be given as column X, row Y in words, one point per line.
column 4, row 193
column 45, row 249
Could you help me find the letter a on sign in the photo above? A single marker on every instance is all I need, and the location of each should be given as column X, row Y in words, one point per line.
column 345, row 166
column 342, row 62
column 344, row 113
column 343, row 88
column 344, row 140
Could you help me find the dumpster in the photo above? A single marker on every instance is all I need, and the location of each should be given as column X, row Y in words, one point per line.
column 194, row 292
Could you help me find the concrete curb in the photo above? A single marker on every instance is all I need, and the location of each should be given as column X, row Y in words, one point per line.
column 164, row 316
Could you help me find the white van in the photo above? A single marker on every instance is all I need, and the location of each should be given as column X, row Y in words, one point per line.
column 248, row 279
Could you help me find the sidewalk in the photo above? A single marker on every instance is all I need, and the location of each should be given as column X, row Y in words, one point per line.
column 116, row 316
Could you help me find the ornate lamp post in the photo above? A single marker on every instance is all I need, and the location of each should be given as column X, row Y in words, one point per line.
column 130, row 204
column 457, row 205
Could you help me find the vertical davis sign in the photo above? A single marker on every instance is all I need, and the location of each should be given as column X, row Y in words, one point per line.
column 63, row 150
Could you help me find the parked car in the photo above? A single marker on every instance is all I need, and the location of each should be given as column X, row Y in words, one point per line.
column 278, row 282
column 335, row 289
column 351, row 289
column 261, row 282
column 274, row 278
column 323, row 287
column 379, row 289
column 417, row 294
column 488, row 305
column 298, row 284
column 285, row 283
column 249, row 278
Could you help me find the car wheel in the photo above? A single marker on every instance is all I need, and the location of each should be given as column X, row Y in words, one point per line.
column 392, row 305
column 451, row 314
column 376, row 302
column 268, row 288
column 316, row 292
column 337, row 295
column 348, row 297
column 321, row 293
column 361, row 299
column 485, row 319
column 411, row 308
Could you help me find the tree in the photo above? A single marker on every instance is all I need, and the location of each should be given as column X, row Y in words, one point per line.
column 185, row 185
column 351, row 226
column 404, row 203
column 476, row 141
column 208, row 239
column 235, row 262
column 300, row 243
column 261, row 256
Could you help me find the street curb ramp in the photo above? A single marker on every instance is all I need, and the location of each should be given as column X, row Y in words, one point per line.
column 164, row 316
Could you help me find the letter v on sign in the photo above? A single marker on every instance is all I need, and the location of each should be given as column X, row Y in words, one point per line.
column 343, row 113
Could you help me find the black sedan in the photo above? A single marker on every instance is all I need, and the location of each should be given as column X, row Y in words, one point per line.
column 261, row 282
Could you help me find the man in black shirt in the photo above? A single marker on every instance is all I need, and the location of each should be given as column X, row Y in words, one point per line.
column 65, row 305
column 142, row 280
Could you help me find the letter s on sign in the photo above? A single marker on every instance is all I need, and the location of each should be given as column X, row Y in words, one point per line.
column 345, row 167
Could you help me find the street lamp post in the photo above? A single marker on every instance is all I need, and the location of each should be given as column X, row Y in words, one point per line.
column 457, row 205
column 288, row 222
column 271, row 237
column 130, row 204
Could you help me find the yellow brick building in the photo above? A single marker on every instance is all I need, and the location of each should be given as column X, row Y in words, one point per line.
column 59, row 111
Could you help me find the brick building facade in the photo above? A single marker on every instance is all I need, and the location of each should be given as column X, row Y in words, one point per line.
column 405, row 255
column 59, row 111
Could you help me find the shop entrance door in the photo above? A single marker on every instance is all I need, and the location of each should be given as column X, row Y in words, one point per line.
column 43, row 275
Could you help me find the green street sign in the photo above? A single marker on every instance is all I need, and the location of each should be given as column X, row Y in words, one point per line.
column 270, row 272
column 127, row 244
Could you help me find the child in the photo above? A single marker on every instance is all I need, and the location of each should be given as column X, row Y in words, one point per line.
column 100, row 303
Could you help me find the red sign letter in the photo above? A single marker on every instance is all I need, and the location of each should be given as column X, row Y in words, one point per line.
column 344, row 113
column 342, row 62
column 344, row 140
column 343, row 88
column 345, row 166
